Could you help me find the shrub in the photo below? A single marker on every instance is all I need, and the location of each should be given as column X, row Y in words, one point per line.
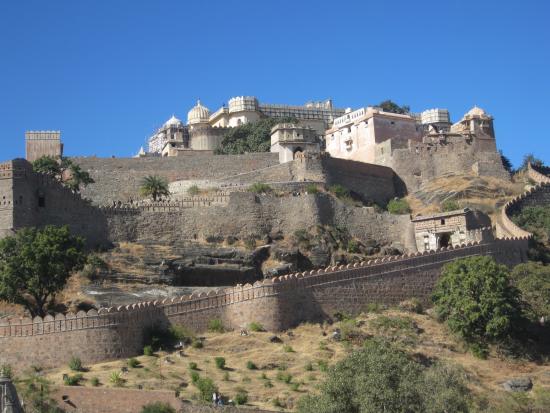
column 479, row 350
column 323, row 365
column 226, row 376
column 449, row 205
column 373, row 308
column 179, row 333
column 474, row 297
column 398, row 206
column 241, row 397
column 301, row 235
column 396, row 329
column 6, row 371
column 533, row 281
column 284, row 377
column 255, row 326
column 196, row 343
column 277, row 403
column 75, row 364
column 308, row 366
column 216, row 326
column 157, row 407
column 312, row 189
column 193, row 365
column 382, row 378
column 94, row 381
column 295, row 386
column 353, row 246
column 220, row 362
column 69, row 380
column 259, row 188
column 116, row 379
column 251, row 366
column 288, row 349
column 148, row 351
column 193, row 190
column 412, row 306
column 195, row 377
column 206, row 387
column 268, row 384
column 340, row 191
column 133, row 363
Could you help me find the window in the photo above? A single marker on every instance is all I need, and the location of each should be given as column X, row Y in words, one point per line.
column 41, row 201
column 442, row 221
column 426, row 242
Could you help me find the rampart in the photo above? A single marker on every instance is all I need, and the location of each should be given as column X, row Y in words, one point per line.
column 279, row 303
column 119, row 178
column 539, row 194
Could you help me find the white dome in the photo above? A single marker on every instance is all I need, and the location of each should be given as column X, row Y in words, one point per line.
column 173, row 121
column 475, row 111
column 199, row 114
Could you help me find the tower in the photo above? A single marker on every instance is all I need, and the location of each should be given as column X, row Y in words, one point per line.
column 42, row 143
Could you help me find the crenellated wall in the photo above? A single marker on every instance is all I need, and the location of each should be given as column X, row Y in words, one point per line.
column 279, row 303
column 537, row 195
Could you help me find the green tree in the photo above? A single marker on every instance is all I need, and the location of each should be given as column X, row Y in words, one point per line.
column 389, row 106
column 381, row 378
column 533, row 281
column 506, row 163
column 35, row 264
column 250, row 137
column 154, row 186
column 398, row 206
column 63, row 170
column 449, row 205
column 475, row 298
column 530, row 158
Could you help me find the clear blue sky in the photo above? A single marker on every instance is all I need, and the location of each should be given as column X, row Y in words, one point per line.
column 107, row 73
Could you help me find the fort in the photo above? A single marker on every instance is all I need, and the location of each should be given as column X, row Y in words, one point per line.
column 376, row 155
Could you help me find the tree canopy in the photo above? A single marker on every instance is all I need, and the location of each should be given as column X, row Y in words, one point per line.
column 533, row 281
column 381, row 378
column 63, row 170
column 250, row 137
column 475, row 298
column 154, row 186
column 389, row 106
column 35, row 264
column 530, row 158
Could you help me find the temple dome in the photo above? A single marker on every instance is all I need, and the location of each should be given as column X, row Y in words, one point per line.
column 173, row 121
column 199, row 114
column 475, row 111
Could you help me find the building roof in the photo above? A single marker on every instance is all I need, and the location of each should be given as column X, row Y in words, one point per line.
column 439, row 215
column 173, row 121
column 198, row 114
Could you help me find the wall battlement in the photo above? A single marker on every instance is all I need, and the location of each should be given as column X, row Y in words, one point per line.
column 279, row 303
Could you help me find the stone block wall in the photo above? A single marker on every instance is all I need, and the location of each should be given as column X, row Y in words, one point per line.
column 119, row 178
column 279, row 304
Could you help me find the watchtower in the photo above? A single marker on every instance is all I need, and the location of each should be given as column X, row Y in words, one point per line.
column 42, row 143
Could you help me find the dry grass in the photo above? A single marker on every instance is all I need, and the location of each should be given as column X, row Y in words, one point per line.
column 310, row 343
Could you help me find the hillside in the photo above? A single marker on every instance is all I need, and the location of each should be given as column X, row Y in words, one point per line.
column 294, row 367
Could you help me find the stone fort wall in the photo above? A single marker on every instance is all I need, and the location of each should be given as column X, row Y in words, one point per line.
column 279, row 303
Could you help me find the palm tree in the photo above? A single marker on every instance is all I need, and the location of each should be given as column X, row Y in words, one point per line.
column 154, row 186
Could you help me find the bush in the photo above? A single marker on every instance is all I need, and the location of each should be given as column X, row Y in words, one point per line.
column 206, row 387
column 226, row 376
column 241, row 397
column 398, row 207
column 533, row 281
column 382, row 378
column 284, row 377
column 196, row 343
column 449, row 205
column 148, row 351
column 157, row 407
column 288, row 349
column 133, row 363
column 323, row 365
column 75, row 364
column 309, row 366
column 193, row 365
column 340, row 191
column 353, row 246
column 69, row 380
column 220, row 362
column 116, row 379
column 312, row 189
column 295, row 386
column 251, row 366
column 94, row 381
column 257, row 327
column 216, row 326
column 476, row 300
column 179, row 333
column 195, row 377
column 277, row 403
column 259, row 188
column 412, row 306
column 193, row 190
column 6, row 371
